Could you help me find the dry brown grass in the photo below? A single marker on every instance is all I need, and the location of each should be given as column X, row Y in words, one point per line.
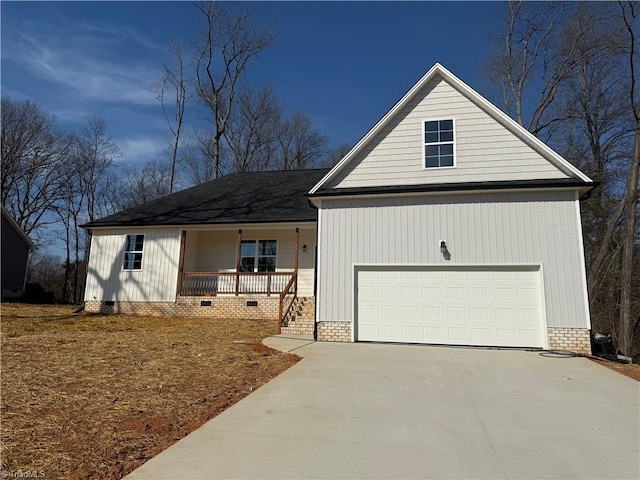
column 630, row 370
column 91, row 396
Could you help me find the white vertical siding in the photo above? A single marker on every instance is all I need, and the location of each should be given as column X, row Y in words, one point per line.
column 157, row 281
column 217, row 250
column 492, row 228
column 485, row 150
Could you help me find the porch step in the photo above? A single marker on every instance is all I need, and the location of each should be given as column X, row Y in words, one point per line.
column 301, row 318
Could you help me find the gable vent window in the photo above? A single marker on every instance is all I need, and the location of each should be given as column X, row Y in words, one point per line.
column 133, row 252
column 438, row 143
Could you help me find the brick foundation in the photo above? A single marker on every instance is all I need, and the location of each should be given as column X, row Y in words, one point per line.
column 301, row 320
column 221, row 307
column 334, row 331
column 573, row 339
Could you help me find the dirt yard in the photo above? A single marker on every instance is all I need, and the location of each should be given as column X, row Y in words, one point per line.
column 92, row 396
column 630, row 370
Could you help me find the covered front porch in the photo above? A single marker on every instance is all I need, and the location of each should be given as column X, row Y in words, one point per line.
column 274, row 260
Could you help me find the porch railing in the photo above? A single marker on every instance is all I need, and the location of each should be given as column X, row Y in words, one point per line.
column 287, row 298
column 216, row 283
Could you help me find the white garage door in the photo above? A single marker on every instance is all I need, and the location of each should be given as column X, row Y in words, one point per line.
column 450, row 305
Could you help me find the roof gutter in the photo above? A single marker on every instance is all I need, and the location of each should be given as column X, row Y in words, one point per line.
column 587, row 195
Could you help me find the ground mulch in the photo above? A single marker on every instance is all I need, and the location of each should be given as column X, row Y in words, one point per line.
column 95, row 396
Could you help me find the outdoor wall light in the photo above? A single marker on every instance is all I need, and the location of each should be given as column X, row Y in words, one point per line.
column 304, row 248
column 443, row 246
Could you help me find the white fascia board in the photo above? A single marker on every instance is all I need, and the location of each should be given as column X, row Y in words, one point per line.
column 479, row 100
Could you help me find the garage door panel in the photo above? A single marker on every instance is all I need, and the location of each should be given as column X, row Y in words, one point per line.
column 411, row 333
column 504, row 294
column 458, row 335
column 478, row 294
column 529, row 336
column 478, row 314
column 432, row 334
column 527, row 295
column 478, row 276
column 480, row 335
column 456, row 275
column 432, row 275
column 456, row 314
column 455, row 293
column 410, row 292
column 430, row 293
column 367, row 291
column 474, row 306
column 431, row 313
column 506, row 336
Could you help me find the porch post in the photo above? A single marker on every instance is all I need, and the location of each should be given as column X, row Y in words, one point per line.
column 295, row 265
column 238, row 250
column 183, row 244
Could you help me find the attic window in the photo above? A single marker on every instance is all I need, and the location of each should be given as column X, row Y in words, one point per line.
column 439, row 143
column 133, row 252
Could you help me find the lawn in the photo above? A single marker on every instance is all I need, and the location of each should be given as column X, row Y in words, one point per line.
column 93, row 396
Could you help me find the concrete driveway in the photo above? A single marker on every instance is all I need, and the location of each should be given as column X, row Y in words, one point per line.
column 401, row 411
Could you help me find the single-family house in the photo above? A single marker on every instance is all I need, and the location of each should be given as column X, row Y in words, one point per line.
column 447, row 223
column 16, row 247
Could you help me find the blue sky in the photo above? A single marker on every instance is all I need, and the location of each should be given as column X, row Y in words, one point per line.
column 343, row 63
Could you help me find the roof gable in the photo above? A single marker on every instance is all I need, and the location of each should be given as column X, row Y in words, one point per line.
column 17, row 228
column 490, row 146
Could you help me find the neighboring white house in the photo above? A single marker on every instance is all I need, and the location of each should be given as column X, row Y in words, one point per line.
column 448, row 223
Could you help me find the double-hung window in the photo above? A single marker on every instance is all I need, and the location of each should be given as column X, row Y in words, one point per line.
column 258, row 255
column 133, row 252
column 439, row 142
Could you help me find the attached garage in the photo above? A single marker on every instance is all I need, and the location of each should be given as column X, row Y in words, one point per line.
column 453, row 305
column 449, row 223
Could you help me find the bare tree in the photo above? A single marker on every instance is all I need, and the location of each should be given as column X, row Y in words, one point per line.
column 334, row 155
column 577, row 60
column 69, row 207
column 300, row 145
column 536, row 55
column 173, row 84
column 46, row 269
column 252, row 129
column 225, row 45
column 141, row 185
column 33, row 148
column 630, row 12
column 96, row 154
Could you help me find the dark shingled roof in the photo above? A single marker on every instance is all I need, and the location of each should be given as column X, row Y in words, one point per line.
column 250, row 197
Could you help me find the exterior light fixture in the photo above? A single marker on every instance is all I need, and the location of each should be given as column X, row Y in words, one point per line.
column 443, row 246
column 304, row 248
